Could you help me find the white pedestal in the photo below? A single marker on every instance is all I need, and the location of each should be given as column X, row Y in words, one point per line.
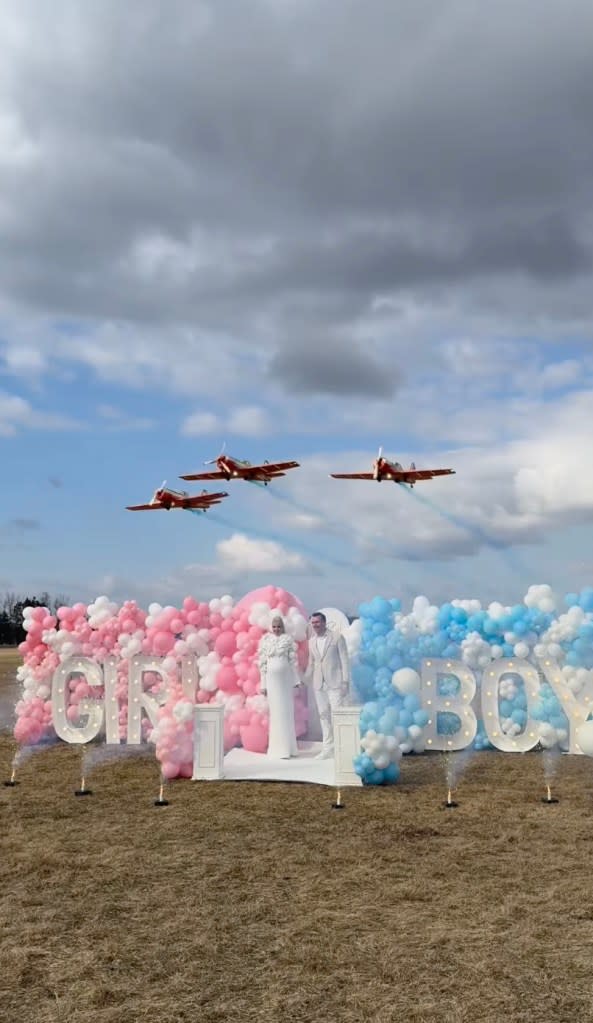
column 208, row 743
column 346, row 745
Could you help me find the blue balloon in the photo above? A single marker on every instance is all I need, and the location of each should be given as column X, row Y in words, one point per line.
column 447, row 723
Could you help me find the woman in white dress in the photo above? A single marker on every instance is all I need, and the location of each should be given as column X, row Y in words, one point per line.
column 277, row 657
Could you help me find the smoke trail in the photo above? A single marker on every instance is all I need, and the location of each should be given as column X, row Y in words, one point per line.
column 551, row 762
column 476, row 531
column 109, row 754
column 456, row 763
column 25, row 753
column 339, row 529
column 310, row 552
column 307, row 510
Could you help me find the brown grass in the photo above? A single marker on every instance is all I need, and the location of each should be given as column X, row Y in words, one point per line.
column 258, row 902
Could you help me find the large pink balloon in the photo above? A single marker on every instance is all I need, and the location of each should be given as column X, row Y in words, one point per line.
column 269, row 595
column 226, row 644
column 254, row 738
column 163, row 642
column 226, row 678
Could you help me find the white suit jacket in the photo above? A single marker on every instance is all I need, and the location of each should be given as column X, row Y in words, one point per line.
column 332, row 669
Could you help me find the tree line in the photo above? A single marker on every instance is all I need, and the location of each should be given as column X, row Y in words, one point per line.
column 11, row 614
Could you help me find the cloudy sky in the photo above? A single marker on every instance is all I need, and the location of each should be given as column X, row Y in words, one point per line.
column 305, row 229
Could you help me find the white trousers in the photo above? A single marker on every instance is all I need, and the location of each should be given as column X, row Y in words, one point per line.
column 327, row 700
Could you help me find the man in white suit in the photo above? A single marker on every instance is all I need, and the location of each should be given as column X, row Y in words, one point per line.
column 329, row 670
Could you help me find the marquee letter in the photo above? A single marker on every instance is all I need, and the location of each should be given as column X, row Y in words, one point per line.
column 93, row 708
column 491, row 677
column 138, row 700
column 111, row 702
column 460, row 704
column 576, row 708
column 189, row 676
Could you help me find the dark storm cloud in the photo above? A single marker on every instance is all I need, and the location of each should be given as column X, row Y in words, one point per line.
column 332, row 369
column 221, row 165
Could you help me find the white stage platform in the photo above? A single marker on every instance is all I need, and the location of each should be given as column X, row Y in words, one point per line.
column 240, row 765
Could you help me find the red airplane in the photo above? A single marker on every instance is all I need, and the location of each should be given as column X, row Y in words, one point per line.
column 385, row 470
column 165, row 499
column 232, row 468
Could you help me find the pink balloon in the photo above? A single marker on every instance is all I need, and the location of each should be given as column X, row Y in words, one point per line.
column 226, row 678
column 163, row 642
column 226, row 644
column 254, row 738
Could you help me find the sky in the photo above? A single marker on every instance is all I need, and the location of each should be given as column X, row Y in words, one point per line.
column 303, row 230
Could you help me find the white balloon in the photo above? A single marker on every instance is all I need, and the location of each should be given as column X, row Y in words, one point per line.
column 406, row 681
column 336, row 619
column 584, row 737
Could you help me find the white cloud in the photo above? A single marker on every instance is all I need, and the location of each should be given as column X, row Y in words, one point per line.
column 240, row 554
column 18, row 414
column 249, row 421
column 201, row 424
column 115, row 419
column 562, row 374
column 244, row 421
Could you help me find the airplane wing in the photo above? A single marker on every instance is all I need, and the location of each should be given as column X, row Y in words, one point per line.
column 203, row 500
column 204, row 476
column 145, row 507
column 411, row 475
column 275, row 468
column 352, row 475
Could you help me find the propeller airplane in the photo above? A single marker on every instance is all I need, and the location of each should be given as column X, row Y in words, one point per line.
column 164, row 499
column 383, row 469
column 228, row 468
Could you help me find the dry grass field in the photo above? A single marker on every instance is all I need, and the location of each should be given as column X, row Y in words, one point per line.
column 258, row 902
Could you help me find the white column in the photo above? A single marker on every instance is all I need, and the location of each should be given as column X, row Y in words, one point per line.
column 346, row 722
column 208, row 742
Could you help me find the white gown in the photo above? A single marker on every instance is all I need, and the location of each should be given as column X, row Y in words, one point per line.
column 279, row 676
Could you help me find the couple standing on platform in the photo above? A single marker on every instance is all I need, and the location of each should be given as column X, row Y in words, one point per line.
column 329, row 669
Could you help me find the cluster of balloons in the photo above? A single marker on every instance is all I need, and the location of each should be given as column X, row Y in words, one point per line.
column 386, row 645
column 464, row 630
column 221, row 634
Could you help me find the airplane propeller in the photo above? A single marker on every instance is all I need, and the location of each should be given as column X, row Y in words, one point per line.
column 376, row 465
column 162, row 487
column 213, row 461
